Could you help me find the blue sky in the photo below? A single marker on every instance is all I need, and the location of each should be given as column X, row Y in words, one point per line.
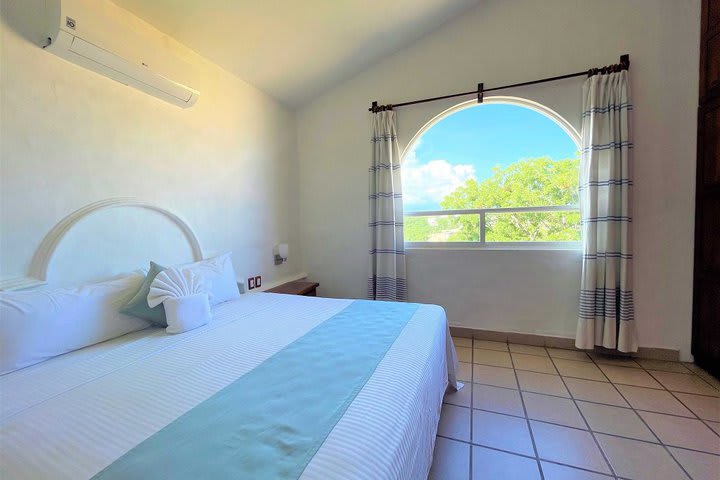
column 470, row 142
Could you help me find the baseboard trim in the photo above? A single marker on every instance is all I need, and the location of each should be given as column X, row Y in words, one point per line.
column 649, row 353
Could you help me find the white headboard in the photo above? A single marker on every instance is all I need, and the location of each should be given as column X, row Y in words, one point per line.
column 39, row 266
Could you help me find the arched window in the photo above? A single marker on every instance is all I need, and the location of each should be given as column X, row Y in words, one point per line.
column 493, row 174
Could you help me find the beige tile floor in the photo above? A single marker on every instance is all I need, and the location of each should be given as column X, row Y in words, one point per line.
column 543, row 413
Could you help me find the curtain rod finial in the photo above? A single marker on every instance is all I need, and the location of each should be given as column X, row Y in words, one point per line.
column 625, row 60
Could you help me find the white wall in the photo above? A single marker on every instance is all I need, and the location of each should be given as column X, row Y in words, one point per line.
column 71, row 137
column 502, row 42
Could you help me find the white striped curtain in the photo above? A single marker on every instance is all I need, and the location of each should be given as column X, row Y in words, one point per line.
column 386, row 280
column 606, row 314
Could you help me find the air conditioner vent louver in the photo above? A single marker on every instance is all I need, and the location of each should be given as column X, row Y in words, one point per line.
column 69, row 41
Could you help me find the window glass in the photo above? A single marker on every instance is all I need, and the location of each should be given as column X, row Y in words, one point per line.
column 515, row 164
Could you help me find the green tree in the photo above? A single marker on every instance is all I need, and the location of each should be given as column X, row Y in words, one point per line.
column 526, row 183
column 417, row 229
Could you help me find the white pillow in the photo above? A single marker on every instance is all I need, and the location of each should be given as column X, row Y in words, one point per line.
column 184, row 295
column 187, row 313
column 40, row 324
column 220, row 275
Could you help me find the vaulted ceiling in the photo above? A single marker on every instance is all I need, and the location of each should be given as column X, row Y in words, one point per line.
column 295, row 49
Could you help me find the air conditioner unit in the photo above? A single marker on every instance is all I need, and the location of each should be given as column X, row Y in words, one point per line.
column 85, row 32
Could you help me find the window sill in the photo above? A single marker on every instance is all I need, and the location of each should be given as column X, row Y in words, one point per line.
column 504, row 246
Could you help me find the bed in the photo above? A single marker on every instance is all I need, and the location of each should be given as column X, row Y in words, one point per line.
column 76, row 414
column 274, row 386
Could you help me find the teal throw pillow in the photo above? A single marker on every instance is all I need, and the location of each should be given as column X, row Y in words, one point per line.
column 138, row 305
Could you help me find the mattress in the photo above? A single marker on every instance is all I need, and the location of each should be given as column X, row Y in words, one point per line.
column 72, row 416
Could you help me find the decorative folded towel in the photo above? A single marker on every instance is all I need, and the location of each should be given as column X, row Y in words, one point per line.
column 184, row 294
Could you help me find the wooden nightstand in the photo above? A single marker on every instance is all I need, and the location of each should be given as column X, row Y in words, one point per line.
column 298, row 287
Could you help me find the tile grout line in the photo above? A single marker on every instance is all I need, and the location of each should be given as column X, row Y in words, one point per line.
column 615, row 435
column 702, row 377
column 692, row 416
column 673, row 394
column 527, row 419
column 587, row 424
column 644, row 422
column 598, row 365
column 592, row 360
column 472, row 388
column 690, row 371
column 581, row 468
column 707, row 377
column 529, row 457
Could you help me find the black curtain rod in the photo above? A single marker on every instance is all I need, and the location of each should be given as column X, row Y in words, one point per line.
column 623, row 65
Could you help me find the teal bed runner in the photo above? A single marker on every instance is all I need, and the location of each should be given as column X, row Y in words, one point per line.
column 269, row 423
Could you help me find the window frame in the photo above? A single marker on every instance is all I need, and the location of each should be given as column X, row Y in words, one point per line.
column 482, row 212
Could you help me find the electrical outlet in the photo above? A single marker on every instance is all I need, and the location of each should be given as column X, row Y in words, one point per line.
column 251, row 283
column 258, row 281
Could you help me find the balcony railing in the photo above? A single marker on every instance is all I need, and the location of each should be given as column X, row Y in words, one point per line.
column 554, row 227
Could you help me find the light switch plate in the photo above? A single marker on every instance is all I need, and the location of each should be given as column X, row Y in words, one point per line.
column 251, row 283
column 258, row 281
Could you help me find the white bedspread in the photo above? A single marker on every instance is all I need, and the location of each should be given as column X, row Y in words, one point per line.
column 75, row 414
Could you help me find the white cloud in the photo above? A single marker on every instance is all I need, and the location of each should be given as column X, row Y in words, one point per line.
column 432, row 181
